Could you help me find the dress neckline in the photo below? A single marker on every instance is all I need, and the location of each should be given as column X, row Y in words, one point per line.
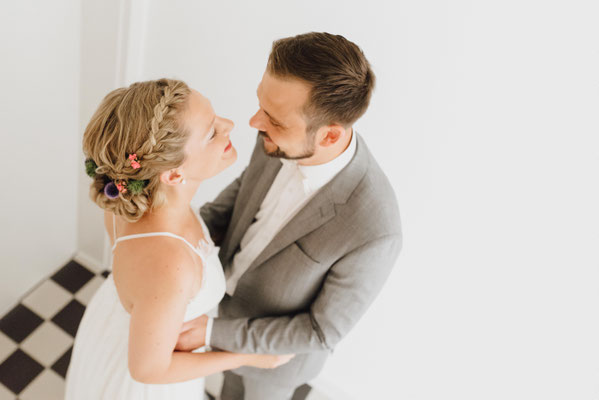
column 203, row 248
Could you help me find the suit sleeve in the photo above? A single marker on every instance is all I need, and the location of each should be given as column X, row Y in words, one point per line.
column 350, row 286
column 217, row 214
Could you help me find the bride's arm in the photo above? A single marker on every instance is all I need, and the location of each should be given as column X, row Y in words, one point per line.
column 163, row 287
column 187, row 366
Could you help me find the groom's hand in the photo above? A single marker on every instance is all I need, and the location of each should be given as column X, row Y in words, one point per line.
column 193, row 334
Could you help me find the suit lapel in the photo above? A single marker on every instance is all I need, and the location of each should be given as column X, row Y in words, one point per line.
column 319, row 210
column 255, row 192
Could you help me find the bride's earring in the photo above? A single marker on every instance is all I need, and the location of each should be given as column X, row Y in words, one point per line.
column 183, row 181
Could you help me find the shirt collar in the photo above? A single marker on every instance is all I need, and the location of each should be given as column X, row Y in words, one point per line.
column 316, row 176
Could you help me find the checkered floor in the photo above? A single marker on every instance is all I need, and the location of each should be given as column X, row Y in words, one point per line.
column 36, row 337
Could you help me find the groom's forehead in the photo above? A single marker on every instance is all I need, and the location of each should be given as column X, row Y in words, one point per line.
column 280, row 96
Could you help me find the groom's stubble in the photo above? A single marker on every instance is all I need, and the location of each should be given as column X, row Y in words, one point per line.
column 306, row 152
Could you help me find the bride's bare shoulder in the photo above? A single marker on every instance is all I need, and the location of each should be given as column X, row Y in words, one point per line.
column 153, row 266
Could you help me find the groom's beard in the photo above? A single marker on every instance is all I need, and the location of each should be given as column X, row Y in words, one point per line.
column 307, row 152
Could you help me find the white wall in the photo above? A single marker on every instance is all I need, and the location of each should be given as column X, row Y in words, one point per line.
column 39, row 110
column 102, row 32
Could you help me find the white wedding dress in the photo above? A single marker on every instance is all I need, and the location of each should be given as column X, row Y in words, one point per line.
column 98, row 367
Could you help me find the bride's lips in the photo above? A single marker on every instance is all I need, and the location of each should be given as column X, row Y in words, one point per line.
column 228, row 146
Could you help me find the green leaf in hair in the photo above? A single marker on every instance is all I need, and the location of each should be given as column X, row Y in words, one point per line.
column 90, row 167
column 136, row 186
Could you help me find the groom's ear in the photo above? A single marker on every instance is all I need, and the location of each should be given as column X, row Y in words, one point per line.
column 171, row 177
column 330, row 134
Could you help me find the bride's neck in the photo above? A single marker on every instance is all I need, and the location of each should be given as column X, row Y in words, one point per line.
column 177, row 208
column 168, row 214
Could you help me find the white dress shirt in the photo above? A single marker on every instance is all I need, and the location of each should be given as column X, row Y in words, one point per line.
column 292, row 188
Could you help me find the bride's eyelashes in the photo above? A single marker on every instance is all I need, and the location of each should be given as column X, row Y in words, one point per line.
column 214, row 134
column 211, row 135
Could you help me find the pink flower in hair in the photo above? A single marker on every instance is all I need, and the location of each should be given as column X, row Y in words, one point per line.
column 134, row 161
column 121, row 186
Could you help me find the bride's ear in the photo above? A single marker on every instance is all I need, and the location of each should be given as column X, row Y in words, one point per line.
column 171, row 177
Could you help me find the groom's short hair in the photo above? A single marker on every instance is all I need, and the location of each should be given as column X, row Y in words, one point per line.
column 339, row 74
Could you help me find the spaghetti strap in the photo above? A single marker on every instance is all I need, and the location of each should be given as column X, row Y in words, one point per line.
column 197, row 249
column 140, row 235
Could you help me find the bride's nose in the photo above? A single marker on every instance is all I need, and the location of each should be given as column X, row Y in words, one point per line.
column 228, row 125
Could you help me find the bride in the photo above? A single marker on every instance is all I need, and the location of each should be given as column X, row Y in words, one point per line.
column 148, row 147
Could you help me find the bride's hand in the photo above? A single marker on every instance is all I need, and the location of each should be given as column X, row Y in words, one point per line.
column 192, row 334
column 267, row 361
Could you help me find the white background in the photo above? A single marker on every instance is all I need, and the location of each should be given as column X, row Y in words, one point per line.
column 39, row 122
column 484, row 118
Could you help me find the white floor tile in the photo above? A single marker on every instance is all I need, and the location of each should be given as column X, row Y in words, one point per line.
column 6, row 394
column 48, row 386
column 85, row 294
column 47, row 343
column 7, row 347
column 47, row 299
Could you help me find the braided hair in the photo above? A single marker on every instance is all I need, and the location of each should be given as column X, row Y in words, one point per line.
column 143, row 119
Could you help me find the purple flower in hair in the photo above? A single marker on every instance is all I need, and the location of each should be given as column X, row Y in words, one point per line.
column 111, row 191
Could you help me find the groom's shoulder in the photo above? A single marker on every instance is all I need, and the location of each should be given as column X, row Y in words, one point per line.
column 372, row 203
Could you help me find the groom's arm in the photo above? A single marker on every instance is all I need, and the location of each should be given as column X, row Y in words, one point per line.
column 217, row 213
column 351, row 285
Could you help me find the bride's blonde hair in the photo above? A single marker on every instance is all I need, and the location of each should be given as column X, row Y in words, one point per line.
column 142, row 119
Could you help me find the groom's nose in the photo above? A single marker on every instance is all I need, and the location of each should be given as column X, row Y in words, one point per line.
column 257, row 122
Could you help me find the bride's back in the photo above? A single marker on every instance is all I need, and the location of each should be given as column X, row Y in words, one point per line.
column 138, row 264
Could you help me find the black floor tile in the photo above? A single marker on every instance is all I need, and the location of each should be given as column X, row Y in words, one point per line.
column 62, row 364
column 18, row 370
column 19, row 323
column 72, row 276
column 69, row 317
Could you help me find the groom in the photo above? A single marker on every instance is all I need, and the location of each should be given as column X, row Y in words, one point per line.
column 310, row 231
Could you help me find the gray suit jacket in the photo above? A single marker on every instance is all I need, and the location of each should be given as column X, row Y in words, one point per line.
column 319, row 274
